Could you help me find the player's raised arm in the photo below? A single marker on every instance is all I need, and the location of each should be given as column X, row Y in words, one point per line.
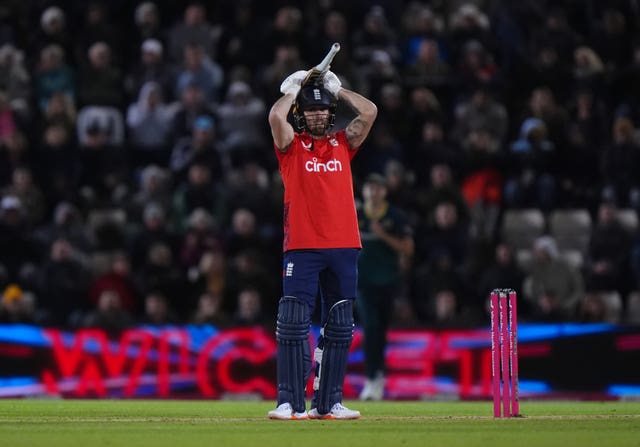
column 366, row 111
column 281, row 130
column 360, row 126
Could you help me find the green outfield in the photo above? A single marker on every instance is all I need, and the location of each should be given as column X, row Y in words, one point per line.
column 160, row 423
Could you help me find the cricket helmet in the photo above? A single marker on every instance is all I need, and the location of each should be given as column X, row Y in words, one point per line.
column 313, row 97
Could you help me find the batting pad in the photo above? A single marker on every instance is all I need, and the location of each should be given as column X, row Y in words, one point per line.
column 338, row 333
column 294, row 354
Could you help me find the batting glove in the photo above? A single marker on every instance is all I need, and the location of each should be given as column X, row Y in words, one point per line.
column 332, row 83
column 293, row 82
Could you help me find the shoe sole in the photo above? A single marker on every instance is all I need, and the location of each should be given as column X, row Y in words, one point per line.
column 332, row 417
column 288, row 418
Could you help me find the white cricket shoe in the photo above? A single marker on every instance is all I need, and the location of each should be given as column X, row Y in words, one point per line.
column 373, row 389
column 285, row 412
column 338, row 411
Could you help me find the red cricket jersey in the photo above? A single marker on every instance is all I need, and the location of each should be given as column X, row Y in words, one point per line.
column 319, row 207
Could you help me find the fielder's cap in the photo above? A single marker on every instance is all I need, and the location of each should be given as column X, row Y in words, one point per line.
column 376, row 178
column 10, row 202
column 203, row 122
column 151, row 46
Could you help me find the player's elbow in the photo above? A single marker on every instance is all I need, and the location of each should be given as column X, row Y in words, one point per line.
column 370, row 113
column 275, row 117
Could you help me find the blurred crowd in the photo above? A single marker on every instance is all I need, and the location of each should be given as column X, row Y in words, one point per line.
column 138, row 182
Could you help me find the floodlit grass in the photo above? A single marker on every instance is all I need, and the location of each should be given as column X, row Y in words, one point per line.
column 159, row 423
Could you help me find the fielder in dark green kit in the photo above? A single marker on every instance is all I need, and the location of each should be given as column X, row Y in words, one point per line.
column 386, row 236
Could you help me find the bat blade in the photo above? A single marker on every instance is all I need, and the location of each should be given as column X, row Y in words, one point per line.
column 316, row 74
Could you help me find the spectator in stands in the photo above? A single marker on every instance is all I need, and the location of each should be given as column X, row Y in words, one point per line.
column 150, row 66
column 241, row 127
column 97, row 27
column 200, row 147
column 61, row 111
column 68, row 224
column 104, row 169
column 155, row 229
column 239, row 43
column 157, row 311
column 251, row 188
column 53, row 75
column 19, row 253
column 200, row 190
column 553, row 287
column 119, row 278
column 592, row 308
column 8, row 117
column 192, row 28
column 160, row 272
column 100, row 82
column 481, row 111
column 375, row 34
column 400, row 188
column 153, row 187
column 378, row 71
column 433, row 149
column 285, row 27
column 423, row 106
column 620, row 165
column 54, row 29
column 17, row 306
column 202, row 234
column 391, row 110
column 607, row 257
column 63, row 282
column 503, row 271
column 15, row 80
column 247, row 270
column 543, row 104
column 286, row 59
column 249, row 308
column 108, row 315
column 60, row 168
column 29, row 193
column 429, row 69
column 197, row 67
column 149, row 124
column 192, row 105
column 579, row 161
column 148, row 27
column 209, row 311
column 532, row 160
column 441, row 188
column 209, row 276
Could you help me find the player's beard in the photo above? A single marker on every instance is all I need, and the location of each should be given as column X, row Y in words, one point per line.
column 318, row 126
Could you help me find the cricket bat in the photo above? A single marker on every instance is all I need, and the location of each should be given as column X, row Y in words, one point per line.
column 316, row 74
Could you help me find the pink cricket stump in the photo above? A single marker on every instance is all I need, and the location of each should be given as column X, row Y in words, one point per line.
column 495, row 353
column 504, row 345
column 513, row 317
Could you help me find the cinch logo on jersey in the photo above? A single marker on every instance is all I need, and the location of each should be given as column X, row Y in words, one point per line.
column 314, row 165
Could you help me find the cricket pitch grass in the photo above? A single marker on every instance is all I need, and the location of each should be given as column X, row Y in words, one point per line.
column 171, row 423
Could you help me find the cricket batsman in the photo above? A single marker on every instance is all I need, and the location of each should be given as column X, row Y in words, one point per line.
column 321, row 239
